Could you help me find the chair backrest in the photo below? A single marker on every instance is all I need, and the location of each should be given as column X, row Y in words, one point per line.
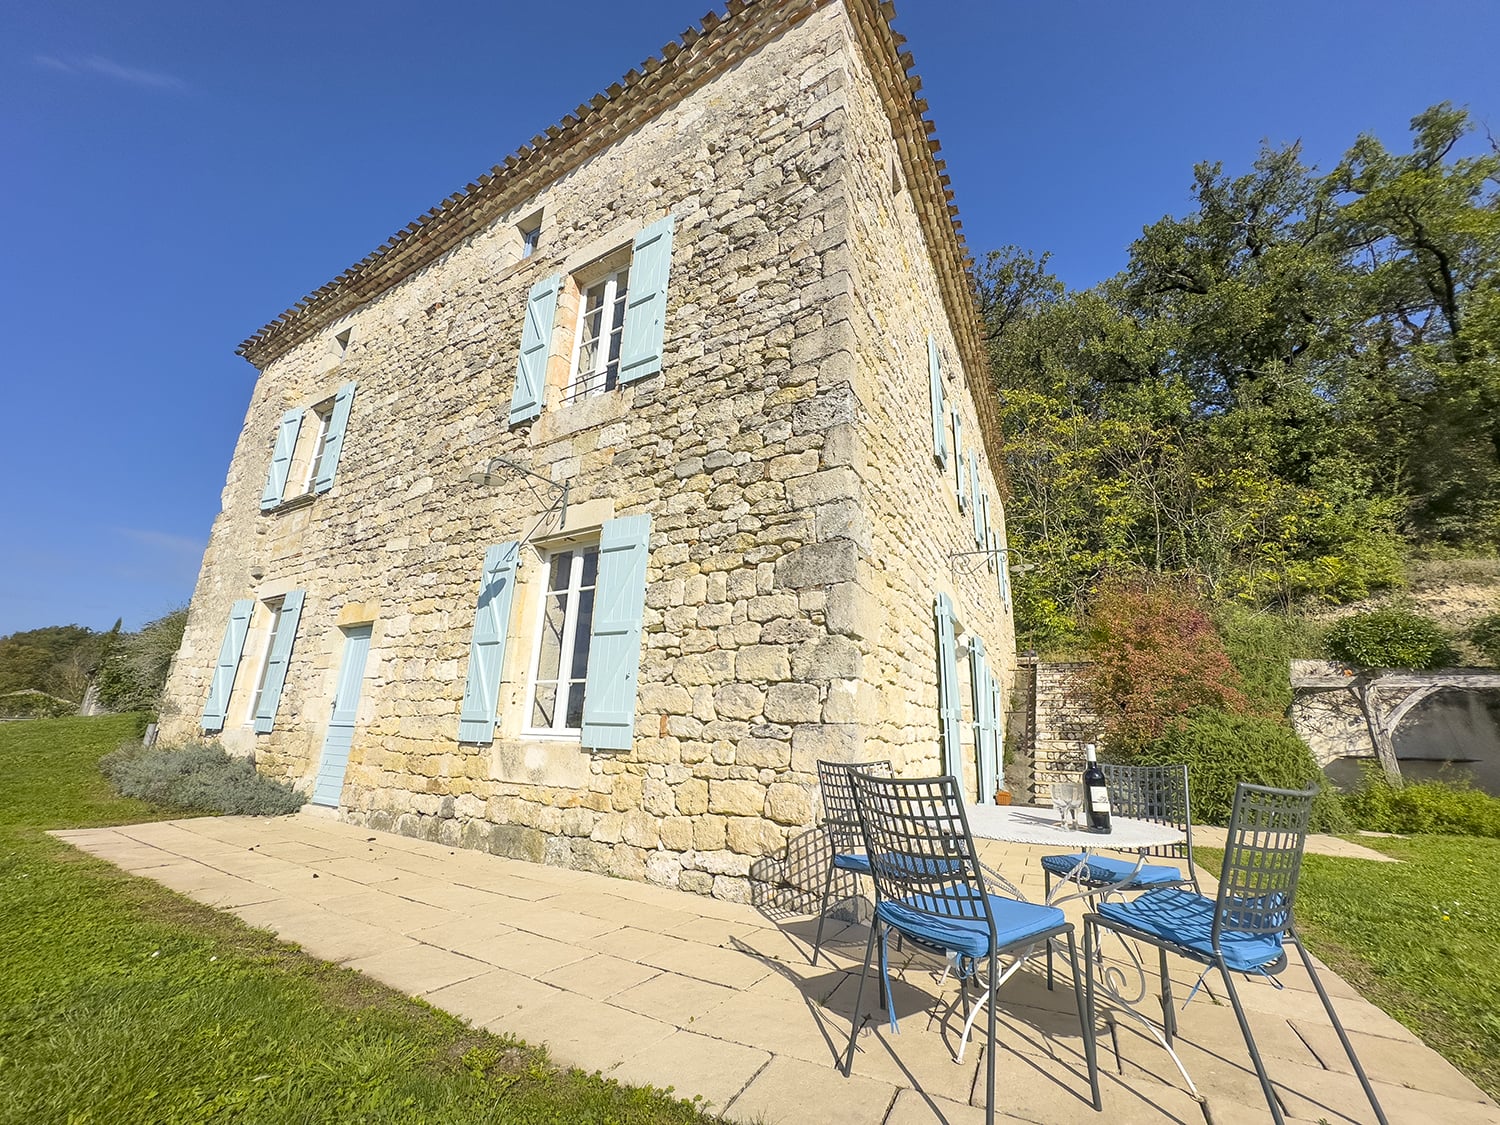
column 1262, row 860
column 840, row 817
column 1158, row 794
column 920, row 850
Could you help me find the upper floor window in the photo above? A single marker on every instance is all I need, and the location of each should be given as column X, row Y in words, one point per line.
column 531, row 235
column 317, row 442
column 561, row 661
column 306, row 452
column 600, row 330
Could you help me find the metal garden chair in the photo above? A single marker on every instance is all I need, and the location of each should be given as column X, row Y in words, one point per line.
column 841, row 821
column 1155, row 793
column 1242, row 930
column 930, row 889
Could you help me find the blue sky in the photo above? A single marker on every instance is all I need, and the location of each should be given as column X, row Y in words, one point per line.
column 178, row 173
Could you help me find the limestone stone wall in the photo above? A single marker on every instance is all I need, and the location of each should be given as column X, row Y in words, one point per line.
column 791, row 568
column 1064, row 723
column 915, row 542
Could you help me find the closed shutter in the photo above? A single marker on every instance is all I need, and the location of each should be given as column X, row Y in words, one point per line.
column 960, row 459
column 497, row 587
column 281, row 459
column 277, row 660
column 230, row 650
column 950, row 707
column 975, row 496
column 935, row 383
column 985, row 747
column 615, row 652
column 536, row 345
column 646, row 302
column 333, row 444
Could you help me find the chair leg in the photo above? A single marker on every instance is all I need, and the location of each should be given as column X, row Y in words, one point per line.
column 1047, row 897
column 823, row 912
column 1168, row 1009
column 1339, row 1028
column 989, row 1050
column 859, row 998
column 1086, row 1014
column 1260, row 1067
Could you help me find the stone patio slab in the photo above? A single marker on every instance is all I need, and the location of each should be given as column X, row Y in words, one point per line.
column 694, row 1065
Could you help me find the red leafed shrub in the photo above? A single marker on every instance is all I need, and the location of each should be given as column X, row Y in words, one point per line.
column 1156, row 655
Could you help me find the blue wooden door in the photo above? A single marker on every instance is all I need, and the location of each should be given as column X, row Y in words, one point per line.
column 330, row 784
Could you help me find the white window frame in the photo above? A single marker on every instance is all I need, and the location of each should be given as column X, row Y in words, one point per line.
column 612, row 294
column 274, row 605
column 563, row 683
column 531, row 236
column 323, row 412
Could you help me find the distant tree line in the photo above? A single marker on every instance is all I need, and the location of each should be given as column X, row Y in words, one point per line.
column 1282, row 395
column 127, row 670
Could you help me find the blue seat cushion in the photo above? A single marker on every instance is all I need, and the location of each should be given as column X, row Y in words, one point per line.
column 1187, row 919
column 1103, row 869
column 928, row 920
column 852, row 861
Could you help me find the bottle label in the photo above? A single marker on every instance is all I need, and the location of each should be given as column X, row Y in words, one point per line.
column 1098, row 799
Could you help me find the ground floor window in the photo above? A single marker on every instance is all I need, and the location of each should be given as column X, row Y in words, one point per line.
column 561, row 658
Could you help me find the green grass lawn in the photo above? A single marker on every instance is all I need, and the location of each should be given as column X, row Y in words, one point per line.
column 121, row 1001
column 1420, row 938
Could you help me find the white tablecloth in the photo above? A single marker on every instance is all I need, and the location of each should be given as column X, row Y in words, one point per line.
column 1022, row 824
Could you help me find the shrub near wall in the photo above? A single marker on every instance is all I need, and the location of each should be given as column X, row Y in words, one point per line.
column 1427, row 807
column 1222, row 749
column 198, row 776
column 1391, row 638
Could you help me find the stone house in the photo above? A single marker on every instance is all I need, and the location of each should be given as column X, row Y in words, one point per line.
column 578, row 521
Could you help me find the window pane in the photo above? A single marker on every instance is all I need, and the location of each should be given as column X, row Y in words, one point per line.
column 590, row 567
column 562, row 565
column 575, row 707
column 584, row 635
column 552, row 627
column 546, row 705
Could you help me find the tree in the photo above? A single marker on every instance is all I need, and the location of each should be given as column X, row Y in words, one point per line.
column 135, row 671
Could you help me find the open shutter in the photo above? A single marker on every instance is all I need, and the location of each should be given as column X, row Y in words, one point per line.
column 615, row 652
column 960, row 461
column 646, row 302
column 281, row 459
column 984, row 721
column 950, row 707
column 277, row 660
column 497, row 587
column 230, row 650
column 333, row 444
column 935, row 382
column 975, row 502
column 991, row 540
column 1002, row 564
column 536, row 345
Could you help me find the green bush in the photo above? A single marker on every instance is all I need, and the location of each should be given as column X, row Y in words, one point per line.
column 1485, row 635
column 198, row 776
column 1429, row 807
column 32, row 704
column 1261, row 646
column 1391, row 638
column 1223, row 749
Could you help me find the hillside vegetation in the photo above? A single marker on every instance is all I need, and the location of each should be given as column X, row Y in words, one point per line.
column 1288, row 393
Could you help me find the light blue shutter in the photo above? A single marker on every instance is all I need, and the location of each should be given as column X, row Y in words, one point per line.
column 935, row 382
column 277, row 660
column 230, row 650
column 975, row 496
column 990, row 539
column 985, row 750
column 646, row 302
column 497, row 587
column 615, row 654
column 333, row 444
column 536, row 344
column 960, row 458
column 950, row 708
column 281, row 459
column 1002, row 562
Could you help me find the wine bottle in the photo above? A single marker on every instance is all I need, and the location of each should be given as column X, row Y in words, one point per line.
column 1095, row 792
